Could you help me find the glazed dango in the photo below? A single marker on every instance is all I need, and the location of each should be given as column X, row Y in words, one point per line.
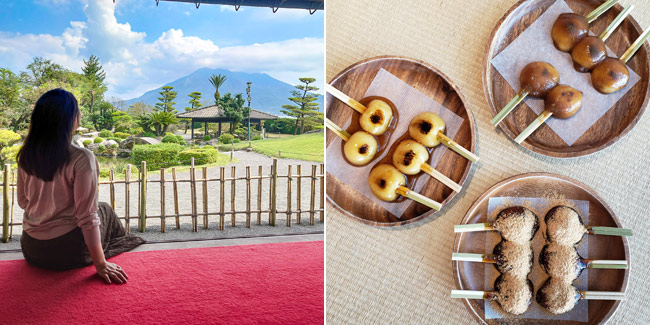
column 513, row 294
column 563, row 101
column 588, row 53
column 360, row 149
column 424, row 128
column 376, row 118
column 610, row 76
column 537, row 78
column 569, row 29
column 513, row 258
column 516, row 224
column 387, row 183
column 410, row 157
column 429, row 129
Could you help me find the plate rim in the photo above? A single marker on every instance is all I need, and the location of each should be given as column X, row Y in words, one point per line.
column 525, row 144
column 472, row 126
column 515, row 178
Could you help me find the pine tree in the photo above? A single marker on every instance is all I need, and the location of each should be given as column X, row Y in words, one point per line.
column 167, row 102
column 95, row 75
column 306, row 109
column 195, row 103
column 217, row 81
column 92, row 69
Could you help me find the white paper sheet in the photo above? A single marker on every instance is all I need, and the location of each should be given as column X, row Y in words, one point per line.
column 409, row 102
column 540, row 206
column 536, row 44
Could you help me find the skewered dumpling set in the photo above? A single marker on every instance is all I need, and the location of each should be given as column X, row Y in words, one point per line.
column 570, row 33
column 559, row 258
column 410, row 156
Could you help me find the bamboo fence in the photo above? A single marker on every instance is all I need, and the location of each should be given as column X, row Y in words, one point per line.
column 316, row 209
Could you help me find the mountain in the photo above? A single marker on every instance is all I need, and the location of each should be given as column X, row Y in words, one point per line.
column 268, row 94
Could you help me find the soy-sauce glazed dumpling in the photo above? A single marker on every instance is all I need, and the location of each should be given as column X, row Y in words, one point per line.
column 563, row 101
column 376, row 118
column 360, row 148
column 424, row 128
column 569, row 29
column 409, row 157
column 588, row 53
column 538, row 78
column 610, row 76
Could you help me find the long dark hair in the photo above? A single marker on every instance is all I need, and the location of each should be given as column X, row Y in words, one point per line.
column 46, row 147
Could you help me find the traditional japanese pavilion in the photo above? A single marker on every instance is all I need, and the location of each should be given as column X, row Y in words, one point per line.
column 214, row 114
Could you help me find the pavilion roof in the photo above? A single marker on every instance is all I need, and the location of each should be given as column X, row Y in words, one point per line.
column 215, row 112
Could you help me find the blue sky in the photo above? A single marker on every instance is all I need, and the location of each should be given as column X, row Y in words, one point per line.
column 143, row 46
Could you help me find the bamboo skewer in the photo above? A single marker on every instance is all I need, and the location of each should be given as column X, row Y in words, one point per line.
column 491, row 258
column 472, row 227
column 417, row 197
column 344, row 135
column 635, row 46
column 591, row 230
column 615, row 23
column 600, row 10
column 441, row 177
column 345, row 98
column 451, row 144
column 588, row 295
column 509, row 107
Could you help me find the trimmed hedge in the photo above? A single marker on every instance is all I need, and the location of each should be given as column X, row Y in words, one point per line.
column 206, row 138
column 98, row 140
column 116, row 139
column 226, row 138
column 105, row 133
column 122, row 135
column 156, row 155
column 170, row 138
column 201, row 156
column 87, row 142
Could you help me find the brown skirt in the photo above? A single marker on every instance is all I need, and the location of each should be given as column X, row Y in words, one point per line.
column 69, row 251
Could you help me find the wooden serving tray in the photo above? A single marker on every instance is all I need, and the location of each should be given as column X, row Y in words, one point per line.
column 354, row 81
column 612, row 126
column 470, row 276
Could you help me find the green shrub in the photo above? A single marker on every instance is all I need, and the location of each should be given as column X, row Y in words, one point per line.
column 101, row 148
column 114, row 146
column 87, row 142
column 98, row 140
column 181, row 140
column 9, row 153
column 236, row 140
column 156, row 155
column 207, row 146
column 135, row 130
column 104, row 173
column 122, row 135
column 116, row 139
column 257, row 137
column 149, row 134
column 121, row 129
column 169, row 133
column 105, row 133
column 226, row 138
column 206, row 137
column 169, row 138
column 201, row 156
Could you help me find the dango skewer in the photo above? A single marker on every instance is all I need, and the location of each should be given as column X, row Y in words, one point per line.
column 375, row 118
column 559, row 296
column 565, row 226
column 410, row 157
column 387, row 184
column 359, row 149
column 429, row 129
column 570, row 28
column 516, row 224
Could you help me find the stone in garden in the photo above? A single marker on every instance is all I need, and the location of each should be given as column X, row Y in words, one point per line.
column 79, row 140
column 128, row 142
column 109, row 143
column 93, row 147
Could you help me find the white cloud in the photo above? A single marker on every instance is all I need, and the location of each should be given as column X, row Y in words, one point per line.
column 134, row 66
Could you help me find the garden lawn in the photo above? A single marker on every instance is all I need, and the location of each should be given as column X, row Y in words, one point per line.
column 303, row 147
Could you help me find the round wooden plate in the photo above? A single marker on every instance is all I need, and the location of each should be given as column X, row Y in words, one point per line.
column 470, row 276
column 354, row 81
column 612, row 126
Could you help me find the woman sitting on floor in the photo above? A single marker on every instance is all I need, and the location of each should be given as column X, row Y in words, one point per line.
column 63, row 225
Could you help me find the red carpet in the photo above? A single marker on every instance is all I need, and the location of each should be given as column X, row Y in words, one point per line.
column 250, row 284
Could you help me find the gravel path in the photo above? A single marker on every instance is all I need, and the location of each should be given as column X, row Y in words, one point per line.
column 184, row 198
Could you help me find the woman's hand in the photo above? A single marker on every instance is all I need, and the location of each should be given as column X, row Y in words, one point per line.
column 111, row 272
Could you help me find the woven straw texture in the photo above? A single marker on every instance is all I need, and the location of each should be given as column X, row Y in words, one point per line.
column 404, row 275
